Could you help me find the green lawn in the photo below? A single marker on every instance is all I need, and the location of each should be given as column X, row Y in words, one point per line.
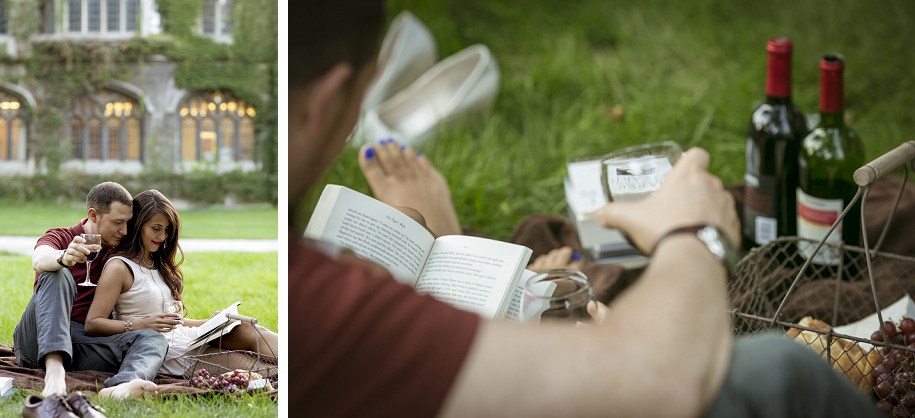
column 688, row 71
column 212, row 281
column 33, row 219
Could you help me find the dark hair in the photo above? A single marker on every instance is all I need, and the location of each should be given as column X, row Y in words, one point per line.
column 146, row 205
column 323, row 33
column 102, row 195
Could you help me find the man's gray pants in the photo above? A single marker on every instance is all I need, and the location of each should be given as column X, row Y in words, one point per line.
column 45, row 328
column 772, row 376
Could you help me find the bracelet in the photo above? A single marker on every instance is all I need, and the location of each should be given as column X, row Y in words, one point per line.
column 127, row 325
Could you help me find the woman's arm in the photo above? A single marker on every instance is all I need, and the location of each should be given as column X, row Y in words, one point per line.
column 116, row 279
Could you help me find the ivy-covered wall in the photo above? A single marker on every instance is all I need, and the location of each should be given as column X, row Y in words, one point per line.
column 55, row 69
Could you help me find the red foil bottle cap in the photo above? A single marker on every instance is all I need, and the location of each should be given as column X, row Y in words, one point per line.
column 778, row 72
column 832, row 97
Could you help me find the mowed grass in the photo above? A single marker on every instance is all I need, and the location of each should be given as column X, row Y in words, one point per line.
column 590, row 76
column 212, row 282
column 33, row 219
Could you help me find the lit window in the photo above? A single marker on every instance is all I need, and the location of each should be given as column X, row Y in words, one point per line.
column 105, row 127
column 216, row 127
column 95, row 16
column 13, row 128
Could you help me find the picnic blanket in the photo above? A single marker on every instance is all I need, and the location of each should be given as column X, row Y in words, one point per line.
column 88, row 380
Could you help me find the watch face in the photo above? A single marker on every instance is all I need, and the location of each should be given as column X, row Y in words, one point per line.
column 719, row 245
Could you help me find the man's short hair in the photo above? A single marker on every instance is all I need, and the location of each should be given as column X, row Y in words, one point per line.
column 323, row 33
column 102, row 195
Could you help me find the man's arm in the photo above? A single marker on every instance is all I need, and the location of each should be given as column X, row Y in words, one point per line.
column 44, row 258
column 662, row 351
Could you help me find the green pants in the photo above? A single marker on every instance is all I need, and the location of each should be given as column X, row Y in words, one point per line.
column 772, row 376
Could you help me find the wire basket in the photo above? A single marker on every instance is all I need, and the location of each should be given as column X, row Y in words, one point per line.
column 776, row 288
column 260, row 370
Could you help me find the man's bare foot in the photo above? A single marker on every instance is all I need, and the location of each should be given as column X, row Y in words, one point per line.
column 132, row 389
column 55, row 376
column 560, row 258
column 399, row 176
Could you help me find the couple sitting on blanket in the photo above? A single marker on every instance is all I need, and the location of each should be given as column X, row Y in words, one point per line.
column 120, row 325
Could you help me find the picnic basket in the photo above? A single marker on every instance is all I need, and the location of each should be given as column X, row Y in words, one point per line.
column 250, row 363
column 776, row 289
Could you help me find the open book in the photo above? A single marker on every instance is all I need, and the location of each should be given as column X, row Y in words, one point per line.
column 475, row 274
column 214, row 327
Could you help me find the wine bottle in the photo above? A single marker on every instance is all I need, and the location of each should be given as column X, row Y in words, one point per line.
column 828, row 159
column 774, row 136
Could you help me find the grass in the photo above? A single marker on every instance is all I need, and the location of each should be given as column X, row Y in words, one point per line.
column 691, row 72
column 33, row 219
column 212, row 281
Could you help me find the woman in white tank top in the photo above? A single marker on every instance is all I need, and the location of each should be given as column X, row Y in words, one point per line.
column 143, row 274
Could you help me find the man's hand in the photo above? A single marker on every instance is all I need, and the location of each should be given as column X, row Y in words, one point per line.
column 689, row 196
column 76, row 252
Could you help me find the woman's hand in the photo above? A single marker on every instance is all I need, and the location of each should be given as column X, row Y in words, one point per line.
column 162, row 322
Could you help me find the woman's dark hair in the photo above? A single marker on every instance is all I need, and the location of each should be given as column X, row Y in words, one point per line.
column 323, row 33
column 146, row 205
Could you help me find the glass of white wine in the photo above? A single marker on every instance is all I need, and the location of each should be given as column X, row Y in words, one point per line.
column 175, row 307
column 559, row 295
column 94, row 245
column 633, row 173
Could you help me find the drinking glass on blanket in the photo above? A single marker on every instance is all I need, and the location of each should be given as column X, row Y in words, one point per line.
column 175, row 307
column 560, row 295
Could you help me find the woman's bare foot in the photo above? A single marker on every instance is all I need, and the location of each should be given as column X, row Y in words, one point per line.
column 560, row 258
column 132, row 389
column 399, row 176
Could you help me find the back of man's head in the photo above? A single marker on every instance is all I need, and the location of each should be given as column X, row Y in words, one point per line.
column 103, row 194
column 323, row 33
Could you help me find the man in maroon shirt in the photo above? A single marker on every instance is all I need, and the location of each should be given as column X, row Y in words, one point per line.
column 364, row 345
column 51, row 333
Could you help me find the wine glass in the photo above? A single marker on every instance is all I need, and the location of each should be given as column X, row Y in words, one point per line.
column 633, row 173
column 560, row 295
column 94, row 245
column 175, row 307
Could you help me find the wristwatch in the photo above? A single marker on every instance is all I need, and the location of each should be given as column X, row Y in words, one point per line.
column 60, row 258
column 714, row 239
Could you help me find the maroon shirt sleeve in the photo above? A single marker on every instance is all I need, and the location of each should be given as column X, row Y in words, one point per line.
column 364, row 345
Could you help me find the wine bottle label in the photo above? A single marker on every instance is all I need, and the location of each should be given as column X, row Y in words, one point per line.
column 758, row 212
column 814, row 218
column 632, row 179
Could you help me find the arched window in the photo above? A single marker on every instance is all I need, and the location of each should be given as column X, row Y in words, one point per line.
column 216, row 127
column 105, row 127
column 13, row 128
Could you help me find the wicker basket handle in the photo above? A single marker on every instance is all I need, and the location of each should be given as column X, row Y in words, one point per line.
column 885, row 163
column 241, row 318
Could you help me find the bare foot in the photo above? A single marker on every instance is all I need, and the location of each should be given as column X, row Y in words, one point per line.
column 132, row 389
column 399, row 176
column 560, row 258
column 55, row 376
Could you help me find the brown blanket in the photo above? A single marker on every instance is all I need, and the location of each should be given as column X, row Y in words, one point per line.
column 87, row 380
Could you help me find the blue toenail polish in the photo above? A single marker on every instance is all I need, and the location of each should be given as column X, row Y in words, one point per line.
column 419, row 154
column 402, row 146
column 576, row 256
column 369, row 153
column 390, row 140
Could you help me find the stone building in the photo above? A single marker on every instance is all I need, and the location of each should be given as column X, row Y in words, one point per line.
column 141, row 116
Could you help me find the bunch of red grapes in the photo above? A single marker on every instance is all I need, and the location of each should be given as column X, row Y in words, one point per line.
column 230, row 382
column 895, row 385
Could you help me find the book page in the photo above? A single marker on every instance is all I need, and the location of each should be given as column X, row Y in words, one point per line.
column 475, row 274
column 514, row 305
column 373, row 230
